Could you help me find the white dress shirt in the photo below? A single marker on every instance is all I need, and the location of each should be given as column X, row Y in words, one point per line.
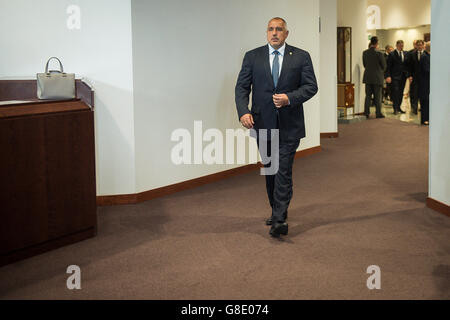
column 280, row 57
column 400, row 53
column 419, row 54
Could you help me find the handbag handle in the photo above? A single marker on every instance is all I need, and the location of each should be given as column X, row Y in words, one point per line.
column 60, row 65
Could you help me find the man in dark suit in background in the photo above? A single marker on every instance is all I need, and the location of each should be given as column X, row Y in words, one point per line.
column 387, row 91
column 281, row 78
column 397, row 72
column 415, row 73
column 374, row 64
column 424, row 84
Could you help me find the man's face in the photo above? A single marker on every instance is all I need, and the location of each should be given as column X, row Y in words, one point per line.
column 400, row 46
column 415, row 45
column 420, row 46
column 276, row 33
column 390, row 49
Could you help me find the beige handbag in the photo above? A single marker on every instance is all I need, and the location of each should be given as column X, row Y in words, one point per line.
column 55, row 84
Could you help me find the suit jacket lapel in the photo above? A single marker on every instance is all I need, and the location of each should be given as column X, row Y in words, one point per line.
column 286, row 63
column 265, row 57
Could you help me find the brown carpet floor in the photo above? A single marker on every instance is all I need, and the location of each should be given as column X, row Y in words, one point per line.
column 359, row 202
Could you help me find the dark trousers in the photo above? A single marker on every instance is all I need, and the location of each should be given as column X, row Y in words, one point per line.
column 414, row 95
column 424, row 109
column 279, row 184
column 387, row 91
column 375, row 90
column 398, row 85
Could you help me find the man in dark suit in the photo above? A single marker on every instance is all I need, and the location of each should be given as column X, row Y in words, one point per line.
column 281, row 78
column 397, row 73
column 414, row 70
column 387, row 92
column 374, row 64
column 424, row 84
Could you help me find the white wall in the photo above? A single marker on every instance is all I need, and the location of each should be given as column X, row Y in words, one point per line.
column 352, row 13
column 328, row 66
column 33, row 31
column 439, row 154
column 136, row 113
column 403, row 13
column 187, row 56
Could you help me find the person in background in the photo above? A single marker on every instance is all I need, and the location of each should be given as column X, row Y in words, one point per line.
column 397, row 73
column 424, row 83
column 374, row 64
column 387, row 89
column 414, row 71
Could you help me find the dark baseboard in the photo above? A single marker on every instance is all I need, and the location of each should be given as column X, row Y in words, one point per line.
column 189, row 184
column 329, row 134
column 438, row 206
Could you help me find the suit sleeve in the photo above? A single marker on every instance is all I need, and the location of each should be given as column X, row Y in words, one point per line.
column 410, row 63
column 308, row 85
column 243, row 86
column 389, row 66
column 386, row 61
column 382, row 61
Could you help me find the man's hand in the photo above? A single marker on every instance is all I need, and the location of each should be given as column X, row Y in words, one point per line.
column 280, row 100
column 247, row 120
column 388, row 80
column 410, row 79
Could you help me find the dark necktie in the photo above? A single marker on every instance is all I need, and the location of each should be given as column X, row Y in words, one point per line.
column 275, row 68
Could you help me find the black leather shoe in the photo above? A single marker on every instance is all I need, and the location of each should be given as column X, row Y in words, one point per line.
column 395, row 111
column 380, row 116
column 401, row 111
column 279, row 229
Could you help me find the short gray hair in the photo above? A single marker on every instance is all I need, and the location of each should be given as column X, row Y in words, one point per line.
column 278, row 18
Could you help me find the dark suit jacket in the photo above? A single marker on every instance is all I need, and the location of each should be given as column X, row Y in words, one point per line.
column 297, row 80
column 414, row 66
column 386, row 58
column 424, row 86
column 411, row 52
column 374, row 64
column 396, row 68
